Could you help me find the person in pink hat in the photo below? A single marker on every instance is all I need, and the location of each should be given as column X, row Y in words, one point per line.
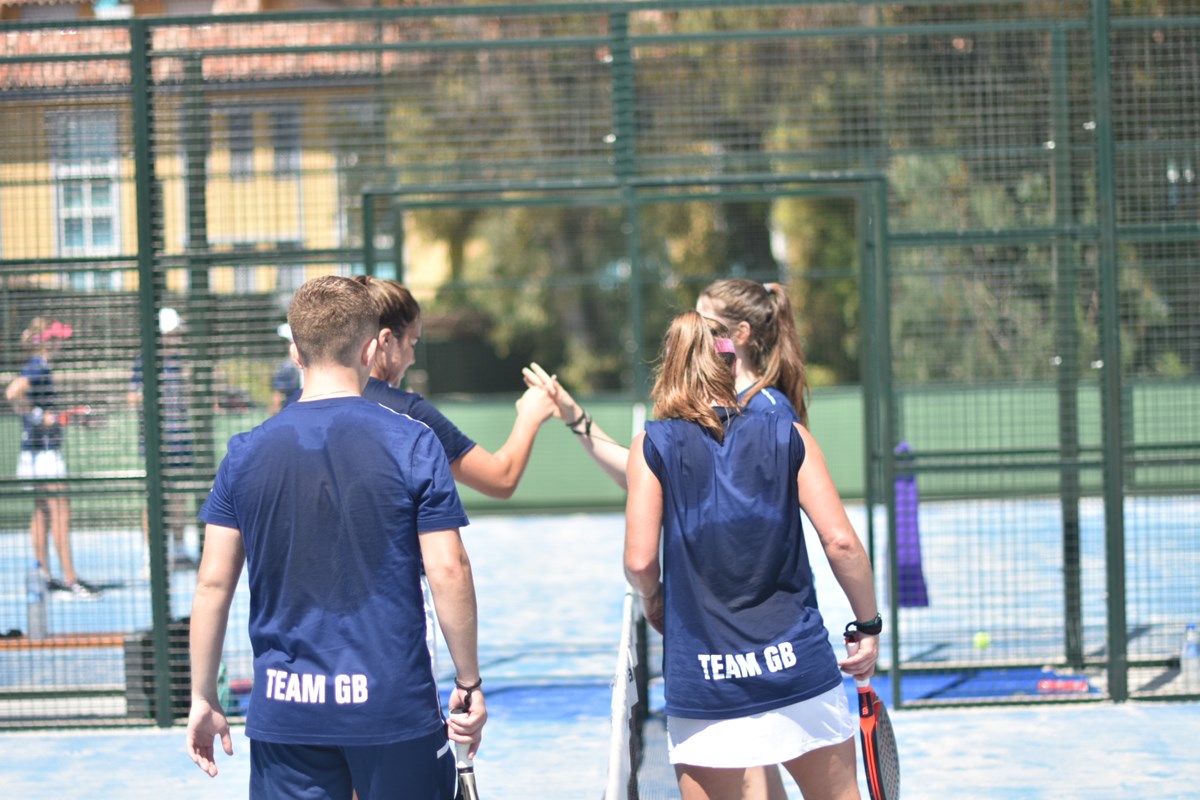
column 32, row 395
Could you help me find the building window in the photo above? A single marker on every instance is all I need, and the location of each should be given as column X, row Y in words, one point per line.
column 357, row 133
column 245, row 278
column 285, row 138
column 49, row 12
column 289, row 277
column 241, row 142
column 85, row 163
column 187, row 8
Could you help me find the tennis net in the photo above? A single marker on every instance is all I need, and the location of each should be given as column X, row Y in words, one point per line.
column 630, row 703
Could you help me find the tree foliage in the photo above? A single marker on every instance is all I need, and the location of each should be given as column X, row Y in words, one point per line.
column 985, row 148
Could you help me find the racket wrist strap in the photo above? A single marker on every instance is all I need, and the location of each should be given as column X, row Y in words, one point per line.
column 469, row 689
column 872, row 627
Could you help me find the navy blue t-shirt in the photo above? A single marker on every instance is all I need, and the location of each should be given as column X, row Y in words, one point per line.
column 330, row 497
column 455, row 442
column 770, row 401
column 286, row 379
column 36, row 434
column 414, row 405
column 173, row 402
column 743, row 633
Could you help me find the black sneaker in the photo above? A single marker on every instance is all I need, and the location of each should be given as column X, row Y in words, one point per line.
column 83, row 590
column 55, row 585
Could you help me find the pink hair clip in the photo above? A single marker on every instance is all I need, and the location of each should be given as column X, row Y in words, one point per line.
column 725, row 349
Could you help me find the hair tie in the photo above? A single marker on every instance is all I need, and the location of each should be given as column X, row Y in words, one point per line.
column 725, row 350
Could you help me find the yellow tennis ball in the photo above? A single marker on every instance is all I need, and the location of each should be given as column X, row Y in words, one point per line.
column 981, row 640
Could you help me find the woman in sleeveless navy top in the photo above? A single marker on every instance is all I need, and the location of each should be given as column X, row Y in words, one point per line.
column 750, row 676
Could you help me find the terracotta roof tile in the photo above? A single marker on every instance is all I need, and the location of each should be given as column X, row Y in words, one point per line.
column 43, row 2
column 109, row 46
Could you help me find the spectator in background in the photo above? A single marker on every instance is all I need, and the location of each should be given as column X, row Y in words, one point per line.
column 288, row 379
column 176, row 432
column 32, row 395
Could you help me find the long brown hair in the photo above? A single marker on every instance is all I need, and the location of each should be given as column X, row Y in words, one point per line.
column 775, row 348
column 692, row 377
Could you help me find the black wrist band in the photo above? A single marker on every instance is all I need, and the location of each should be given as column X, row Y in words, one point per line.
column 586, row 419
column 871, row 628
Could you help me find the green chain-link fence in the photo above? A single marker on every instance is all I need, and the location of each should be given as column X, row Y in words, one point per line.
column 986, row 214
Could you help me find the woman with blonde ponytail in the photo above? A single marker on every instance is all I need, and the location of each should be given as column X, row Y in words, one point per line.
column 715, row 547
column 769, row 378
column 694, row 386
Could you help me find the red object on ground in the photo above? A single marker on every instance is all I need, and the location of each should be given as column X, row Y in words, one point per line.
column 1063, row 686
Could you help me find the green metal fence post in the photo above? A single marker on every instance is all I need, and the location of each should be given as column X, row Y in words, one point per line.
column 368, row 233
column 870, row 353
column 147, row 205
column 868, row 297
column 1067, row 357
column 1110, row 335
column 201, row 298
column 624, row 163
column 398, row 241
column 889, row 424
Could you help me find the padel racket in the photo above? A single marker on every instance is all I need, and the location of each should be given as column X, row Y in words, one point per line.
column 40, row 416
column 880, row 759
column 466, row 770
column 69, row 415
column 75, row 415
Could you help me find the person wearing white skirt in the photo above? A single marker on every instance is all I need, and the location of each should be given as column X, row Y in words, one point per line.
column 750, row 676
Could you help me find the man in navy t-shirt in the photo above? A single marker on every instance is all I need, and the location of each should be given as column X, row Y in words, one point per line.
column 333, row 505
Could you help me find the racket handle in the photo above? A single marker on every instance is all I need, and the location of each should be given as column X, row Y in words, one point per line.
column 461, row 750
column 466, row 770
column 460, row 756
column 851, row 649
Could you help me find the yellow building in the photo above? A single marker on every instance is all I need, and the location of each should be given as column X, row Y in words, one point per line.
column 261, row 162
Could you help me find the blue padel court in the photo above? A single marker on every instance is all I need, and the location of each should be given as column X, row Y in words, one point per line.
column 550, row 592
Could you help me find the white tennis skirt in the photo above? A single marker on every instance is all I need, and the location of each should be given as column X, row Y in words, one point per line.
column 41, row 464
column 771, row 737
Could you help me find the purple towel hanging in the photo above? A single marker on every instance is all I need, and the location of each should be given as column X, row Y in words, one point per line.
column 913, row 593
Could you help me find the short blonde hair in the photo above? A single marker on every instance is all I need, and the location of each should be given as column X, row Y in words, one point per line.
column 331, row 318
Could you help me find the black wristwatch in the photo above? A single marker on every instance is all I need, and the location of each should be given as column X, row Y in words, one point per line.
column 872, row 628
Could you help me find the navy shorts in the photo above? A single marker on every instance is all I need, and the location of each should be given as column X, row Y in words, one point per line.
column 421, row 769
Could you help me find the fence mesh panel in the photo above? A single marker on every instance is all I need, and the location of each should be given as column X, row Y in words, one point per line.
column 554, row 184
